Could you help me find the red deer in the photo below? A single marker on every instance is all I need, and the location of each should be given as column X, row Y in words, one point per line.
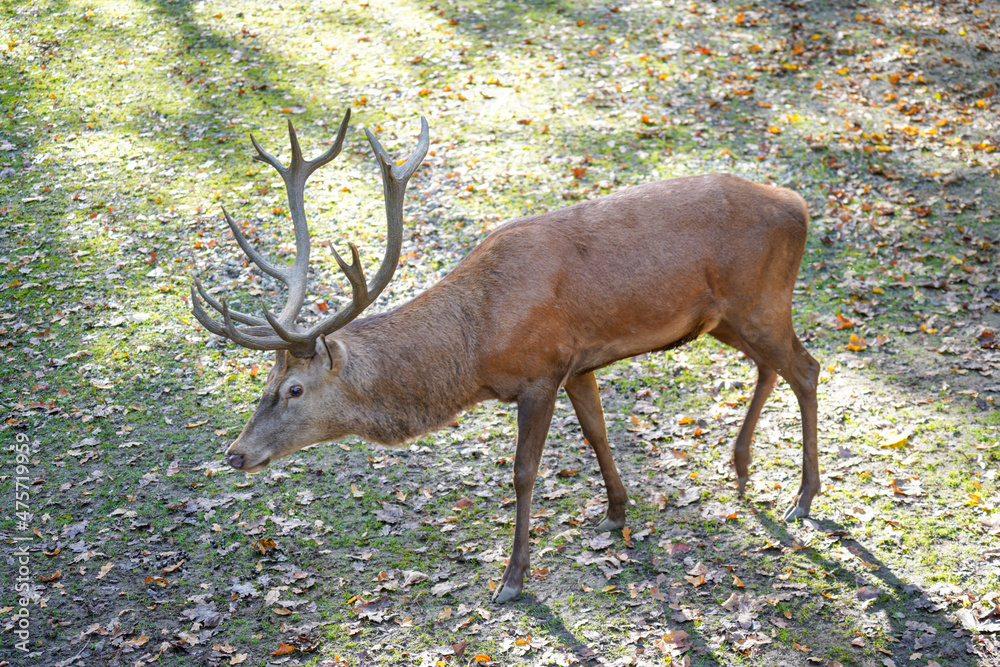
column 538, row 306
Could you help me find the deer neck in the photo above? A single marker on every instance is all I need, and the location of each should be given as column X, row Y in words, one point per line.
column 410, row 370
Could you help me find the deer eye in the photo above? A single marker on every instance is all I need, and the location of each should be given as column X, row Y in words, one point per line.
column 295, row 390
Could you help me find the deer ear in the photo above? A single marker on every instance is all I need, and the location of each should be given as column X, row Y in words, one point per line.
column 334, row 353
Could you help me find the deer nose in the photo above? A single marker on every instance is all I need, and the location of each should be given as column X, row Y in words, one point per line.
column 236, row 461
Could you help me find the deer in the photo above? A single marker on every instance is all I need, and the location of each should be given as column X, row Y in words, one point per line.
column 543, row 302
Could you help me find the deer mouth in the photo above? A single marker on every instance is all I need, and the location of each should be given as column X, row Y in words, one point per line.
column 239, row 462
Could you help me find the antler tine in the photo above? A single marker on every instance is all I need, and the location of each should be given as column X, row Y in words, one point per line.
column 360, row 298
column 255, row 256
column 355, row 274
column 257, row 338
column 263, row 156
column 312, row 165
column 394, row 180
column 293, row 139
column 298, row 343
column 203, row 317
column 242, row 318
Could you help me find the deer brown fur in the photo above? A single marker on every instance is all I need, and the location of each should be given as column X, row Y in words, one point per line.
column 542, row 303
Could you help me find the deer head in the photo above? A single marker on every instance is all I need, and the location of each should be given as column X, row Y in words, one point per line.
column 307, row 364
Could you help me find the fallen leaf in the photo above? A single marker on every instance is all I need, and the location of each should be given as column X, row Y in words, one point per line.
column 689, row 496
column 283, row 649
column 856, row 344
column 868, row 593
column 891, row 438
column 841, row 322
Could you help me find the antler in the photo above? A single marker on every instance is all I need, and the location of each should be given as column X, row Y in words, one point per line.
column 280, row 332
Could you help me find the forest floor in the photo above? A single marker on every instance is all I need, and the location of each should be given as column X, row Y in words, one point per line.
column 126, row 540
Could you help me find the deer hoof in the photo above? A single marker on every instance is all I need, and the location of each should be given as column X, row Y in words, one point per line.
column 794, row 513
column 741, row 484
column 610, row 525
column 506, row 593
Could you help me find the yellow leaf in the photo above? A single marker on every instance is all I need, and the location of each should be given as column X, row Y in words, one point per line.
column 856, row 344
column 264, row 545
column 105, row 570
column 892, row 438
column 977, row 500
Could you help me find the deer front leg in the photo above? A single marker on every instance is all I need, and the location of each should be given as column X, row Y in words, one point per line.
column 586, row 399
column 766, row 377
column 534, row 414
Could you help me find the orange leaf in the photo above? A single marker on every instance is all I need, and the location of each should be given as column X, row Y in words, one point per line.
column 695, row 581
column 283, row 649
column 842, row 323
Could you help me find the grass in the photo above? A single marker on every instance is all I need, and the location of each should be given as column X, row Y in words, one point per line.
column 124, row 131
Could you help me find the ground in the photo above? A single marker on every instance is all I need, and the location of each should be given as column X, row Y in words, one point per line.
column 126, row 540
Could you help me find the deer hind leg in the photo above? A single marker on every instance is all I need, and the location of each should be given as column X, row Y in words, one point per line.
column 781, row 355
column 586, row 399
column 801, row 372
column 534, row 415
